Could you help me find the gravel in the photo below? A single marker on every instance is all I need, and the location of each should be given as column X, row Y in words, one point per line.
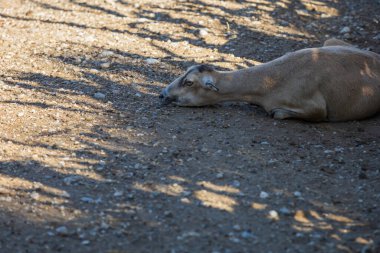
column 92, row 162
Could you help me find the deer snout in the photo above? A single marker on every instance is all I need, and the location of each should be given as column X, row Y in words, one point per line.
column 165, row 98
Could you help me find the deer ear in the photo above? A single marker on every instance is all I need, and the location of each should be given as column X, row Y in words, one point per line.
column 208, row 83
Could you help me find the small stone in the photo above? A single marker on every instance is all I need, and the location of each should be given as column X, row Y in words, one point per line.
column 285, row 211
column 297, row 194
column 20, row 114
column 85, row 242
column 345, row 29
column 168, row 214
column 247, row 234
column 35, row 195
column 87, row 199
column 71, row 179
column 118, row 194
column 65, row 194
column 273, row 215
column 62, row 231
column 105, row 65
column 100, row 168
column 236, row 183
column 106, row 53
column 264, row 195
column 99, row 95
column 203, row 32
column 152, row 61
column 236, row 227
column 219, row 175
column 325, row 15
column 116, row 91
column 235, row 240
column 104, row 225
column 138, row 95
column 129, row 174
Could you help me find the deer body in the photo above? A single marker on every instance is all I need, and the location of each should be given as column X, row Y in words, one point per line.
column 331, row 83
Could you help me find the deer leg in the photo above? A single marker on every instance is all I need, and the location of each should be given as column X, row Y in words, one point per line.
column 310, row 115
column 280, row 113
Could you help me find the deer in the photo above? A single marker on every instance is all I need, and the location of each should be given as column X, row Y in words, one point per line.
column 335, row 82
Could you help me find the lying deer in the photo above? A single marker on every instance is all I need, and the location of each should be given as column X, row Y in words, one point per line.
column 336, row 82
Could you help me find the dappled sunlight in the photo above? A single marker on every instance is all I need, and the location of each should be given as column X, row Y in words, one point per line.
column 32, row 199
column 308, row 221
column 259, row 206
column 215, row 200
column 22, row 187
column 171, row 190
column 89, row 157
column 219, row 188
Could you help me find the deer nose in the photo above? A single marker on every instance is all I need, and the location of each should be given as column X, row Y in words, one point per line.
column 163, row 94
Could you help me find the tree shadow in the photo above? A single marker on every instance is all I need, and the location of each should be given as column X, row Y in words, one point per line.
column 120, row 178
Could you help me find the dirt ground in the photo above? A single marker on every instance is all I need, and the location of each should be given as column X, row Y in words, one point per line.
column 91, row 162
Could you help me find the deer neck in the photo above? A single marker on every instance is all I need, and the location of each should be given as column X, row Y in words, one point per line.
column 250, row 84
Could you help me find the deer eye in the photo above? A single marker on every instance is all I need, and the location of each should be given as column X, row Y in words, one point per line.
column 188, row 83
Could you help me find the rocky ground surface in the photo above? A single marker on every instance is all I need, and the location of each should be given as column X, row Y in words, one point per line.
column 91, row 162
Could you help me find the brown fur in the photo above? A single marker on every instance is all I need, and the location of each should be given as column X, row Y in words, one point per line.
column 336, row 82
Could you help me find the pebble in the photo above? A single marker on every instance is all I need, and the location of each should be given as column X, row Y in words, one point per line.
column 62, row 231
column 99, row 168
column 71, row 179
column 65, row 194
column 152, row 61
column 104, row 225
column 345, row 29
column 219, row 175
column 285, row 211
column 35, row 195
column 235, row 240
column 85, row 242
column 273, row 214
column 264, row 195
column 99, row 95
column 377, row 37
column 106, row 53
column 105, row 65
column 247, row 234
column 297, row 194
column 87, row 199
column 203, row 32
column 236, row 183
column 118, row 194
